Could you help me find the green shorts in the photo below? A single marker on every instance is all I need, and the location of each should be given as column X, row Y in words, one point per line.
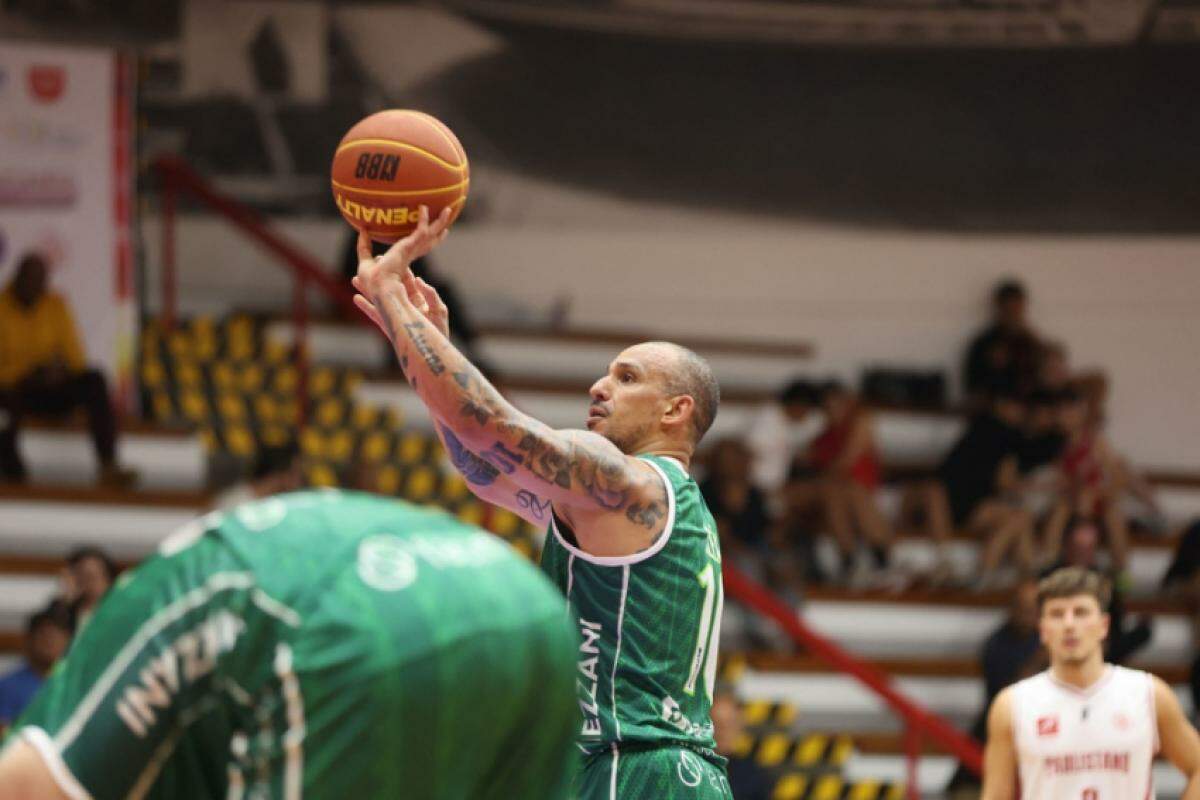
column 353, row 659
column 651, row 773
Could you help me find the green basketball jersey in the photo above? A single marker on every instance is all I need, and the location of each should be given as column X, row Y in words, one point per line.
column 648, row 624
column 317, row 645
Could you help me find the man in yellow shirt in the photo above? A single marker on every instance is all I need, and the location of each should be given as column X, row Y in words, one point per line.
column 43, row 372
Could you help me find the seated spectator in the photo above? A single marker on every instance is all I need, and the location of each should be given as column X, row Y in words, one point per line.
column 1004, row 354
column 974, row 491
column 47, row 635
column 1093, row 480
column 277, row 469
column 1011, row 653
column 845, row 464
column 1042, row 440
column 86, row 579
column 1081, row 548
column 1182, row 584
column 772, row 435
column 1053, row 367
column 43, row 373
column 736, row 504
column 747, row 780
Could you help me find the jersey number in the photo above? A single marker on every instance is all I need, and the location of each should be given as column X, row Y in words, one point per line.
column 1091, row 794
column 706, row 650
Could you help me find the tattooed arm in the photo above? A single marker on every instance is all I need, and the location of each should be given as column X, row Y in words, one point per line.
column 582, row 474
column 490, row 484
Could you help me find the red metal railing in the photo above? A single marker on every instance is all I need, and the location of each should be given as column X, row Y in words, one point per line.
column 177, row 177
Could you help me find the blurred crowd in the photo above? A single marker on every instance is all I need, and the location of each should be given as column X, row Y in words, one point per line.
column 86, row 578
column 1031, row 468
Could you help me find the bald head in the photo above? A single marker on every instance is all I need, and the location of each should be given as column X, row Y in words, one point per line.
column 685, row 373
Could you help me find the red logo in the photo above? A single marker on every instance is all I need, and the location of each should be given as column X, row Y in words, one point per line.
column 1122, row 722
column 1047, row 726
column 47, row 83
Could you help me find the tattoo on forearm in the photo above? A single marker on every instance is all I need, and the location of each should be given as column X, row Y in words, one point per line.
column 477, row 404
column 536, row 505
column 500, row 456
column 474, row 469
column 416, row 332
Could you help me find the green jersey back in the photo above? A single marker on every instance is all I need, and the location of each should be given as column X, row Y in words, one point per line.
column 649, row 625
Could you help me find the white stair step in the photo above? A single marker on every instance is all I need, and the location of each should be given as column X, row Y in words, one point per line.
column 53, row 528
column 66, row 457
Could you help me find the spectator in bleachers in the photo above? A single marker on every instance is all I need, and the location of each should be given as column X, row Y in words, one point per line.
column 277, row 469
column 1181, row 584
column 47, row 634
column 1093, row 481
column 975, row 490
column 772, row 436
column 747, row 780
column 736, row 504
column 845, row 461
column 1011, row 652
column 1081, row 548
column 43, row 372
column 1053, row 367
column 1042, row 440
column 89, row 574
column 1004, row 354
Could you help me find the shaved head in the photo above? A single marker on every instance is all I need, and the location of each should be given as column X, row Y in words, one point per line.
column 684, row 372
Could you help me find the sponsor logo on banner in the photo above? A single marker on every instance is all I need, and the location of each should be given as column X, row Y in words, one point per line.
column 37, row 190
column 1047, row 726
column 47, row 82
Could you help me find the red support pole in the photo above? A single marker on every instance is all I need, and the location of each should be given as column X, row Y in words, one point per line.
column 912, row 752
column 168, row 251
column 300, row 338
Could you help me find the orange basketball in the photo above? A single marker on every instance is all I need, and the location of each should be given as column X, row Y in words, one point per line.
column 393, row 162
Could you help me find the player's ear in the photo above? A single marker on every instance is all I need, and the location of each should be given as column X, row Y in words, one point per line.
column 679, row 409
column 1106, row 624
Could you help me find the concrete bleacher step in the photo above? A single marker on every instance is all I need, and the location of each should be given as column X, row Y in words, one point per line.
column 50, row 521
column 165, row 458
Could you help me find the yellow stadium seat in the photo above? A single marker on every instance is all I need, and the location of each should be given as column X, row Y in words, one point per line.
column 773, row 749
column 412, row 448
column 193, row 406
column 388, row 480
column 843, row 748
column 330, row 412
column 275, row 352
column 471, row 513
column 266, row 409
column 523, row 546
column 743, row 745
column 180, row 344
column 286, row 380
column 454, row 488
column 811, row 749
column 790, row 787
column 321, row 381
column 864, row 790
column 784, row 715
column 223, row 376
column 829, row 787
column 351, row 383
column 504, row 522
column 153, row 374
column 341, row 445
column 363, row 416
column 231, row 408
column 250, row 379
column 188, row 375
column 420, row 484
column 756, row 712
column 376, row 447
column 209, row 439
column 322, row 474
column 239, row 441
column 312, row 443
column 289, row 411
column 895, row 791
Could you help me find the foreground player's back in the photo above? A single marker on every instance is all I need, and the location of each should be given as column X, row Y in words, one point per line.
column 321, row 645
column 1094, row 743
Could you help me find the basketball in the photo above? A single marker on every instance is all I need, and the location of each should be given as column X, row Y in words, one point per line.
column 393, row 162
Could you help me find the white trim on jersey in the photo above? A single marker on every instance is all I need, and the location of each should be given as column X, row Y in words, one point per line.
column 293, row 737
column 621, row 561
column 612, row 781
column 1088, row 691
column 166, row 749
column 570, row 580
column 617, row 651
column 40, row 741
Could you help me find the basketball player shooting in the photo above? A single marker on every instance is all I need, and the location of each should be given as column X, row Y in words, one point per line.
column 630, row 542
column 1084, row 729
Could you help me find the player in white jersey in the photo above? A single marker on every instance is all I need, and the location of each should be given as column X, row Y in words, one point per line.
column 1084, row 729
